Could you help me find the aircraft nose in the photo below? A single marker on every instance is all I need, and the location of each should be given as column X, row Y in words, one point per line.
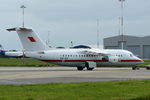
column 140, row 60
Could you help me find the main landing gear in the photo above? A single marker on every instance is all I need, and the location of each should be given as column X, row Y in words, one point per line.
column 89, row 68
column 88, row 65
column 81, row 68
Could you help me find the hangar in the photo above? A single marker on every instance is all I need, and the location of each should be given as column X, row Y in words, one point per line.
column 140, row 46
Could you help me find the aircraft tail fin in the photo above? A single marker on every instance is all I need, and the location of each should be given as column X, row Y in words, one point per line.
column 2, row 52
column 29, row 39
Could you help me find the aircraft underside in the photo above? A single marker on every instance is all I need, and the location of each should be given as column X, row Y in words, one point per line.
column 91, row 65
column 100, row 64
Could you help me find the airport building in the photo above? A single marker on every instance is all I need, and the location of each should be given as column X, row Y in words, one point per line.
column 140, row 46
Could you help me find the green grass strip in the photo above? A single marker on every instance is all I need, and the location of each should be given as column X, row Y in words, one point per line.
column 117, row 90
column 22, row 62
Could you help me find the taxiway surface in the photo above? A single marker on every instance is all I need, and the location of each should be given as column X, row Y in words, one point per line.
column 35, row 75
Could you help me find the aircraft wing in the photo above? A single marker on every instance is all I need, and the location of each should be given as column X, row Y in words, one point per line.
column 95, row 52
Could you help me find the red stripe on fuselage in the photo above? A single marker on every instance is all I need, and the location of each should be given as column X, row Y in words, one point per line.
column 74, row 60
column 89, row 60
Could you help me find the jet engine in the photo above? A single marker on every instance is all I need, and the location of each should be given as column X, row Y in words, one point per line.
column 113, row 59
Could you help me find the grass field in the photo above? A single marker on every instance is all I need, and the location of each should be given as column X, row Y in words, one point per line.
column 22, row 62
column 119, row 90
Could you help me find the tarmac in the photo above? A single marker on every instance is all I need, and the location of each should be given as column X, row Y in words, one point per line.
column 41, row 75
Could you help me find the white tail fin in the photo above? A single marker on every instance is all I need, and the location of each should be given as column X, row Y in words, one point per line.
column 29, row 39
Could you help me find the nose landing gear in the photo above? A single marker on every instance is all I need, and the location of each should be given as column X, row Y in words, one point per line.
column 135, row 68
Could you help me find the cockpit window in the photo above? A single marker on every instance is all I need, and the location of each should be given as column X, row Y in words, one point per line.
column 131, row 55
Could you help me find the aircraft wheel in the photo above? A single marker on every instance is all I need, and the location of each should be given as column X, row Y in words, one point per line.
column 148, row 68
column 133, row 68
column 138, row 68
column 89, row 68
column 80, row 68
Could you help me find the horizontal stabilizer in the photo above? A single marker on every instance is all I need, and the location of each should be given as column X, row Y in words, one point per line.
column 19, row 29
column 11, row 29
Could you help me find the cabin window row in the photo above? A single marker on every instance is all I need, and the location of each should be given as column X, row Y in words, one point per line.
column 80, row 56
column 119, row 55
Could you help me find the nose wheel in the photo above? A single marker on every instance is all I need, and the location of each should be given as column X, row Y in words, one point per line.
column 135, row 68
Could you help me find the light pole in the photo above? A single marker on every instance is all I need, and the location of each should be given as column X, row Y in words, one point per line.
column 48, row 40
column 119, row 23
column 23, row 7
column 122, row 23
column 97, row 33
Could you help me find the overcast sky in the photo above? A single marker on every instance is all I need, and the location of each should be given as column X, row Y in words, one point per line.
column 72, row 20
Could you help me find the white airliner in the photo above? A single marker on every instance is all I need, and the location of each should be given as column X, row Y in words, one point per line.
column 90, row 58
column 10, row 53
column 13, row 54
